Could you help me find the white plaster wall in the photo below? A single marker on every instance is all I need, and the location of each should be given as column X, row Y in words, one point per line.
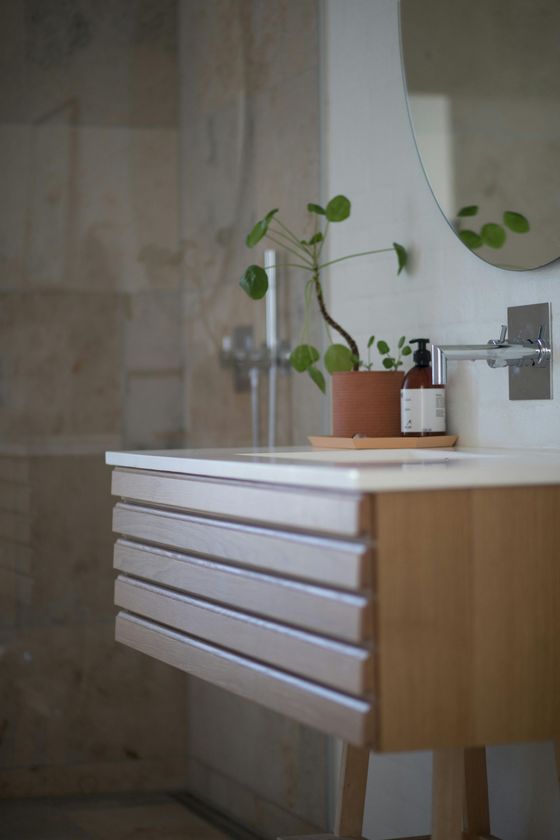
column 450, row 296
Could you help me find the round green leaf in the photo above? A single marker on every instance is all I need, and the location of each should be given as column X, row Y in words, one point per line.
column 383, row 347
column 402, row 256
column 317, row 238
column 469, row 210
column 317, row 378
column 303, row 356
column 471, row 239
column 516, row 222
column 406, row 351
column 338, row 209
column 316, row 208
column 255, row 282
column 257, row 233
column 493, row 235
column 338, row 358
column 260, row 229
column 389, row 362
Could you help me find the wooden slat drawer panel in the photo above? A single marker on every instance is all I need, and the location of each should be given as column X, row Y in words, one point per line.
column 335, row 562
column 342, row 615
column 332, row 663
column 322, row 660
column 343, row 514
column 331, row 711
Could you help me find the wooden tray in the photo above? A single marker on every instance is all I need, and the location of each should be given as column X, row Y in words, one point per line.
column 433, row 442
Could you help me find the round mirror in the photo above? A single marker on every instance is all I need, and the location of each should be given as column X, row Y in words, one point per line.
column 483, row 84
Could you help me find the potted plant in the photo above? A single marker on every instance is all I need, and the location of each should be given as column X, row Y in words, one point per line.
column 354, row 382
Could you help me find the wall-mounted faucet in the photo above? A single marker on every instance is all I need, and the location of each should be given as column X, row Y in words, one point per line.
column 529, row 351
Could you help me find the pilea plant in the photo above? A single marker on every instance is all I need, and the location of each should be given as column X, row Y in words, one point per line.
column 304, row 357
column 389, row 362
column 492, row 234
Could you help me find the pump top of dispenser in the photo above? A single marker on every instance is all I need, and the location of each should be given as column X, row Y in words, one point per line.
column 422, row 357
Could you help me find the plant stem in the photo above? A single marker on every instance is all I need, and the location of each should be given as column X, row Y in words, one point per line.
column 330, row 320
column 291, row 234
column 291, row 250
column 350, row 256
column 322, row 242
column 290, row 265
column 294, row 242
column 306, row 305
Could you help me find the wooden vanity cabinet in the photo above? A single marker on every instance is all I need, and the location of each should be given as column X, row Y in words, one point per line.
column 395, row 620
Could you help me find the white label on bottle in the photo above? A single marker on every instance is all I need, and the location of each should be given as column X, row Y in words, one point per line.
column 423, row 410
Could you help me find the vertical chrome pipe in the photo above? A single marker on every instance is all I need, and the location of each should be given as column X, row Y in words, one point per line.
column 271, row 341
column 439, row 365
column 254, row 379
column 271, row 300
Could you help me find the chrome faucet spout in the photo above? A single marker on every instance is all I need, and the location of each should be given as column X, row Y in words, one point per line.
column 439, row 365
column 497, row 353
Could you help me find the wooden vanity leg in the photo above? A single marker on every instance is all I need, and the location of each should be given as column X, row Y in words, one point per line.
column 351, row 797
column 448, row 789
column 477, row 809
column 351, row 791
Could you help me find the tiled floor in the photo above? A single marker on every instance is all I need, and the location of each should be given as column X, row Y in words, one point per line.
column 142, row 816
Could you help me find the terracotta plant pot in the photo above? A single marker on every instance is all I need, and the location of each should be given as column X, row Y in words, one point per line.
column 366, row 403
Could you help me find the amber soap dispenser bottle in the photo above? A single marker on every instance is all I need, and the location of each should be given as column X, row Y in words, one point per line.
column 422, row 403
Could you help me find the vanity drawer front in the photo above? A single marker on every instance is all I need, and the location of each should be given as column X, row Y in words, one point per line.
column 341, row 615
column 329, row 561
column 343, row 514
column 339, row 714
column 332, row 663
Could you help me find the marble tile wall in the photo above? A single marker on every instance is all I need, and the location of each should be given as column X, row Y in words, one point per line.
column 138, row 144
column 78, row 713
column 90, row 358
column 249, row 142
column 89, row 246
column 250, row 127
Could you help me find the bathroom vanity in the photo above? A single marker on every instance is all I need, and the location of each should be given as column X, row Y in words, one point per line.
column 398, row 599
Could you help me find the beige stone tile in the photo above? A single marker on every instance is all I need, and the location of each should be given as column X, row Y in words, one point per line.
column 154, row 410
column 72, row 540
column 24, row 820
column 12, row 61
column 51, row 198
column 275, row 758
column 154, row 208
column 117, row 59
column 127, row 235
column 284, row 42
column 92, row 777
column 14, row 469
column 8, row 598
column 245, row 805
column 15, row 527
column 216, row 73
column 16, row 557
column 62, row 370
column 14, row 497
column 142, row 816
column 73, row 699
column 153, row 332
column 15, row 594
column 13, row 168
column 158, row 821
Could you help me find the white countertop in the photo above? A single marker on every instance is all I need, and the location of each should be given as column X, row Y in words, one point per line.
column 357, row 470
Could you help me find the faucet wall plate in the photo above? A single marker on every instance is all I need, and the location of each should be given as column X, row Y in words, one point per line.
column 528, row 322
